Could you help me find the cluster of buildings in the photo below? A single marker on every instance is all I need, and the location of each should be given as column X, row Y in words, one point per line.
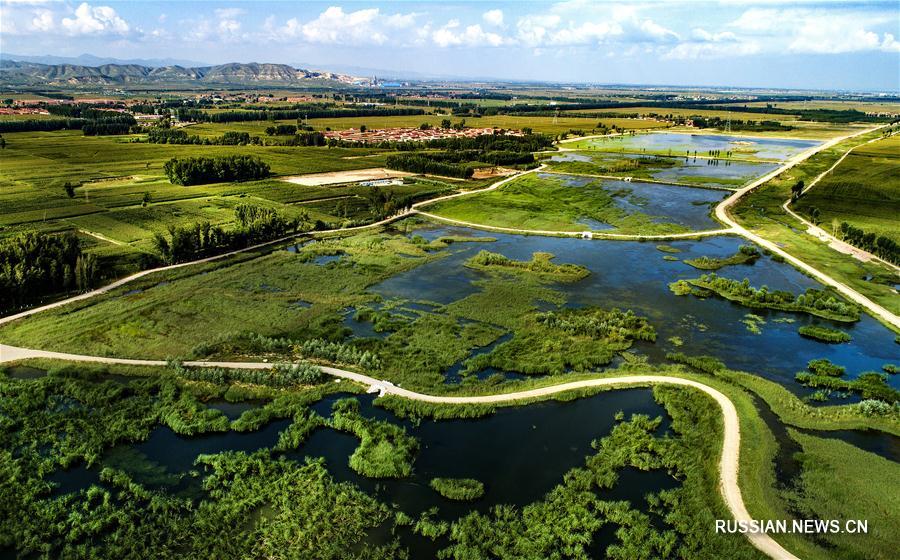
column 412, row 134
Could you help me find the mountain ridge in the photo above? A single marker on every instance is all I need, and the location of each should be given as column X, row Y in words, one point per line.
column 34, row 73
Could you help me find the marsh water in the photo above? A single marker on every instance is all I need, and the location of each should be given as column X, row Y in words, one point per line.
column 518, row 453
column 728, row 173
column 679, row 144
column 633, row 275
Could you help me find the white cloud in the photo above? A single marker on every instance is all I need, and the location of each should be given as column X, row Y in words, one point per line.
column 471, row 36
column 42, row 21
column 584, row 23
column 493, row 17
column 889, row 44
column 95, row 21
column 802, row 30
column 335, row 26
column 229, row 13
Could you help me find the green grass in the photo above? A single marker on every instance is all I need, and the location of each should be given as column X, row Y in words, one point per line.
column 864, row 191
column 112, row 175
column 547, row 203
column 760, row 211
column 841, row 481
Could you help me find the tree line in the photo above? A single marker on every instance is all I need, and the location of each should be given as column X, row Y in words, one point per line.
column 879, row 245
column 118, row 124
column 33, row 265
column 421, row 163
column 255, row 224
column 202, row 170
column 197, row 115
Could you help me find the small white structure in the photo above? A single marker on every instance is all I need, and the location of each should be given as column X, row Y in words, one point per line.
column 587, row 235
column 381, row 183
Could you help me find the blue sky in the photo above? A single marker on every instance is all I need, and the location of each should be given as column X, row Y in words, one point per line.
column 761, row 43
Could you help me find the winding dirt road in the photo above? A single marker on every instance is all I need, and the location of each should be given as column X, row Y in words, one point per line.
column 819, row 233
column 729, row 460
column 724, row 216
column 730, row 457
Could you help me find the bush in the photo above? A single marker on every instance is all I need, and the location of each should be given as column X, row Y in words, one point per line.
column 824, row 334
column 462, row 489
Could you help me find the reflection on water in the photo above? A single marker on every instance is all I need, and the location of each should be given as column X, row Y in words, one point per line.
column 679, row 144
column 631, row 275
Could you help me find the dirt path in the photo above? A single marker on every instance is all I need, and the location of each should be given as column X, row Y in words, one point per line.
column 724, row 216
column 729, row 460
column 593, row 234
column 819, row 233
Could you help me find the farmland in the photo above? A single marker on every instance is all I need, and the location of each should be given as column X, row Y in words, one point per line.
column 223, row 461
column 864, row 190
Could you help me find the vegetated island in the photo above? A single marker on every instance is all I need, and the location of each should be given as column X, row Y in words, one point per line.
column 824, row 375
column 539, row 264
column 746, row 254
column 814, row 302
column 461, row 489
column 824, row 334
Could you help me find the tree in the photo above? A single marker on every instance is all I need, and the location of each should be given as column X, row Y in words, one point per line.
column 2, row 143
column 445, row 123
column 424, row 126
column 70, row 189
column 363, row 128
column 797, row 189
column 145, row 200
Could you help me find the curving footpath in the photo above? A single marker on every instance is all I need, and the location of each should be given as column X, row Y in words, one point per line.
column 729, row 461
column 819, row 233
column 724, row 216
column 592, row 234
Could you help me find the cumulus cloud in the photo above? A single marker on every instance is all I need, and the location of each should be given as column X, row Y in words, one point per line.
column 803, row 30
column 98, row 20
column 42, row 21
column 451, row 35
column 336, row 26
column 493, row 17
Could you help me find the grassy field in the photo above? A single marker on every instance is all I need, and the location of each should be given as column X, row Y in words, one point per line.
column 838, row 481
column 112, row 175
column 802, row 129
column 864, row 190
column 761, row 212
column 548, row 202
column 866, row 106
column 537, row 124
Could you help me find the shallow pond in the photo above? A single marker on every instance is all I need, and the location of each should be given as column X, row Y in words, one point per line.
column 728, row 173
column 633, row 275
column 686, row 206
column 518, row 453
column 679, row 144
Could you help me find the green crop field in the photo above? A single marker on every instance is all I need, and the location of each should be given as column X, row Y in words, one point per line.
column 113, row 174
column 761, row 212
column 864, row 190
column 537, row 124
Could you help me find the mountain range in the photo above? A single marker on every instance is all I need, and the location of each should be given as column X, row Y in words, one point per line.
column 33, row 73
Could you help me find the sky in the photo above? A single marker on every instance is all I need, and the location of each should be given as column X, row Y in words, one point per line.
column 835, row 45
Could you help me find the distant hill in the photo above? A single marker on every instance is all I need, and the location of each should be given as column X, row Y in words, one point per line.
column 93, row 60
column 33, row 73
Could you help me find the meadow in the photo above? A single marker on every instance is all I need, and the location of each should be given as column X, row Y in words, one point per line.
column 864, row 191
column 120, row 196
column 760, row 211
column 552, row 202
column 544, row 125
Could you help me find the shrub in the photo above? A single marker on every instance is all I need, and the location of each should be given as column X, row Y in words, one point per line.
column 462, row 489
